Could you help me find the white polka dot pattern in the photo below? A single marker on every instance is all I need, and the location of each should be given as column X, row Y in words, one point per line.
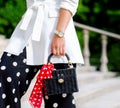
column 8, row 54
column 73, row 101
column 13, row 91
column 64, row 95
column 3, row 96
column 18, row 82
column 0, row 84
column 8, row 106
column 55, row 105
column 9, row 79
column 15, row 64
column 15, row 100
column 18, row 74
column 3, row 67
column 26, row 70
column 27, row 82
column 24, row 60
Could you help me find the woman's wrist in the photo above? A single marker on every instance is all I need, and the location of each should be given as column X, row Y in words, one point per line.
column 59, row 33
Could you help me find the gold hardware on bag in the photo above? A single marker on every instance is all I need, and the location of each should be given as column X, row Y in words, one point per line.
column 70, row 64
column 61, row 80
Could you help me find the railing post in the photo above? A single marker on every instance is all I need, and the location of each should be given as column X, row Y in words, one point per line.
column 86, row 52
column 104, row 59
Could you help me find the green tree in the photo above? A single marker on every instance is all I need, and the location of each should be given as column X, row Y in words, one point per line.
column 10, row 13
column 103, row 14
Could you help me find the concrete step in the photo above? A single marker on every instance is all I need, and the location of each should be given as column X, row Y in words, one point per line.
column 96, row 89
column 91, row 77
column 109, row 100
column 83, row 68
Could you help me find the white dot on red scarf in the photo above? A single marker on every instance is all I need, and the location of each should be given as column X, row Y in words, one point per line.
column 9, row 79
column 35, row 99
column 38, row 103
column 33, row 102
column 35, row 88
column 14, row 63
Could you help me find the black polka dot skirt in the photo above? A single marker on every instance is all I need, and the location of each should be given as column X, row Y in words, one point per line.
column 15, row 78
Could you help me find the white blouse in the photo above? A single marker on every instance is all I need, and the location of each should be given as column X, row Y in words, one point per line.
column 36, row 28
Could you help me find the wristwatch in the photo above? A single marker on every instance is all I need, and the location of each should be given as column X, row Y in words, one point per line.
column 59, row 33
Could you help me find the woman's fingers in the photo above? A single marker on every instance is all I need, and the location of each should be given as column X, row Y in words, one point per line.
column 58, row 46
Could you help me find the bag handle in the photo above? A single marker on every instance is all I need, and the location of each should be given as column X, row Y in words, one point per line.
column 68, row 58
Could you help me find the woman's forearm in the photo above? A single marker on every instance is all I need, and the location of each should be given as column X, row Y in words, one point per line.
column 63, row 20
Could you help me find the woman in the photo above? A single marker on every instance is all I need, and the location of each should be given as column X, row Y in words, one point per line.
column 46, row 27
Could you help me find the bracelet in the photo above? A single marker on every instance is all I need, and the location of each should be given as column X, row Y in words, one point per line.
column 59, row 33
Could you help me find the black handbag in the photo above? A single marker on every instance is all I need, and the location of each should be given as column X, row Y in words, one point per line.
column 62, row 81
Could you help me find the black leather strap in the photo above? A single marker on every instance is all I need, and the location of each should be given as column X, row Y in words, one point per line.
column 50, row 56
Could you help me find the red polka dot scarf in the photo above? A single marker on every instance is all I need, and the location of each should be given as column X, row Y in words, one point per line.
column 36, row 95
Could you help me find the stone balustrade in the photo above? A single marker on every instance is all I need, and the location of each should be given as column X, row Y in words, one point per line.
column 86, row 51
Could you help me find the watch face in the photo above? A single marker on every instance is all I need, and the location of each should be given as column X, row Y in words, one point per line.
column 60, row 34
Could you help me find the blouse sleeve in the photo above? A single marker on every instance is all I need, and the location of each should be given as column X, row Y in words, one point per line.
column 70, row 5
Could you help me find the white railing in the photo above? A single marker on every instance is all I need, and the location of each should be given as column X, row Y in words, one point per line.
column 86, row 51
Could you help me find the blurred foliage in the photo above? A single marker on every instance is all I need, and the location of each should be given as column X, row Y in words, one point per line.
column 10, row 14
column 103, row 14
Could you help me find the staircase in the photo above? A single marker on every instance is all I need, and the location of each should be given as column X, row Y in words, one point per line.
column 97, row 89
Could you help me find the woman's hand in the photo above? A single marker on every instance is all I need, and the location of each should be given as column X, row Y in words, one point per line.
column 58, row 46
